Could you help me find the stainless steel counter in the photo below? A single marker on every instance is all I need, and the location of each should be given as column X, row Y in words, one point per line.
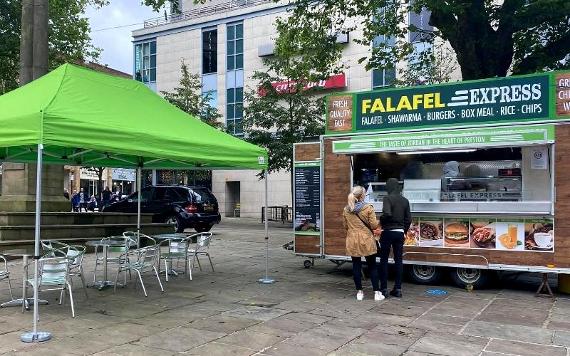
column 492, row 208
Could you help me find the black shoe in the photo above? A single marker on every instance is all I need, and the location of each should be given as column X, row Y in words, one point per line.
column 396, row 293
column 384, row 293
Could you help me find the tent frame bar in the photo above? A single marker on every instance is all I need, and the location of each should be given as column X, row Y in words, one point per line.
column 35, row 335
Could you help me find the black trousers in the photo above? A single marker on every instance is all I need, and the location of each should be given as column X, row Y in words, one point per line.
column 395, row 241
column 357, row 271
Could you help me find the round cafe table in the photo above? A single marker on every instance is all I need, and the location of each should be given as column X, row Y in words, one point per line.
column 105, row 244
column 24, row 254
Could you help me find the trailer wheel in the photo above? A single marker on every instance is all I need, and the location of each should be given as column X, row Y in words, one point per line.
column 423, row 274
column 465, row 277
column 307, row 263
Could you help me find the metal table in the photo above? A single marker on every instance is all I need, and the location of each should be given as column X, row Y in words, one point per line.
column 166, row 237
column 25, row 254
column 105, row 244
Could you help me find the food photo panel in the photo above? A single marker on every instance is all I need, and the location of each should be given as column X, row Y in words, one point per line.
column 456, row 233
column 431, row 232
column 510, row 235
column 483, row 234
column 539, row 235
column 412, row 237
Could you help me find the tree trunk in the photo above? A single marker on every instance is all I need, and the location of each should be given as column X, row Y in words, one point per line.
column 41, row 47
column 26, row 42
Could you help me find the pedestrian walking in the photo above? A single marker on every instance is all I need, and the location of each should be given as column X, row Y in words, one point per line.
column 75, row 201
column 361, row 225
column 82, row 200
column 106, row 197
column 395, row 219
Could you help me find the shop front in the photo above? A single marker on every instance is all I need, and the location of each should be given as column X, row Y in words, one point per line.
column 483, row 164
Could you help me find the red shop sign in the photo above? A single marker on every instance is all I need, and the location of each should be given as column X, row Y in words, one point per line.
column 335, row 81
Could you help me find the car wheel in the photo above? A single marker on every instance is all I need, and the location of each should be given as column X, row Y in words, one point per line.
column 175, row 222
column 203, row 227
column 423, row 274
column 464, row 277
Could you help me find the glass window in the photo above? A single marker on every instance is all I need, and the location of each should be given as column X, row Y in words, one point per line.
column 210, row 51
column 234, row 46
column 383, row 77
column 420, row 24
column 145, row 62
column 234, row 110
column 471, row 175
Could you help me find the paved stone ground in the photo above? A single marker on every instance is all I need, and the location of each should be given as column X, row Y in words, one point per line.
column 307, row 312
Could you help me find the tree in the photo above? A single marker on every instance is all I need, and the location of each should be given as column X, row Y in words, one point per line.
column 188, row 97
column 489, row 38
column 69, row 39
column 277, row 117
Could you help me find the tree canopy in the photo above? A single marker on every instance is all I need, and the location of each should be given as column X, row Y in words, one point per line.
column 489, row 38
column 277, row 118
column 188, row 97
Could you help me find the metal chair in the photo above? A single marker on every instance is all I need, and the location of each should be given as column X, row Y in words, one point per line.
column 141, row 260
column 202, row 247
column 74, row 253
column 54, row 275
column 5, row 274
column 115, row 254
column 177, row 249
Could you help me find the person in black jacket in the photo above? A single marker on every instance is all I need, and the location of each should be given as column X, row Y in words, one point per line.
column 395, row 221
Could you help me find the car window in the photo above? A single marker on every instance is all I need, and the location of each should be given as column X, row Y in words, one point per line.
column 146, row 194
column 178, row 194
column 160, row 194
column 203, row 195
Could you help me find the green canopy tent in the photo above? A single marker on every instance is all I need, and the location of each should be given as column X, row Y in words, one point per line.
column 77, row 116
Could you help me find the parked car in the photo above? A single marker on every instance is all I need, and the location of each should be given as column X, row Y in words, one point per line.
column 182, row 206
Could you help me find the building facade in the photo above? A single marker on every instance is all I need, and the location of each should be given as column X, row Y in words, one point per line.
column 225, row 42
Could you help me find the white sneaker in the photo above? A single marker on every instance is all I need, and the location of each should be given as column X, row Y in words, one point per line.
column 359, row 295
column 378, row 296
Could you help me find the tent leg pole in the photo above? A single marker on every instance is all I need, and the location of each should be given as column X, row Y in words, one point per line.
column 35, row 335
column 139, row 176
column 266, row 279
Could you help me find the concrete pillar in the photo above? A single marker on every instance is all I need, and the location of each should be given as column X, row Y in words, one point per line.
column 18, row 180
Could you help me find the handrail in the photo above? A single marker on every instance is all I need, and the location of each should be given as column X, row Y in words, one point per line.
column 203, row 11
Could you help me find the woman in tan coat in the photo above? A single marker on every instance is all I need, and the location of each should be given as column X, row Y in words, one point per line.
column 361, row 225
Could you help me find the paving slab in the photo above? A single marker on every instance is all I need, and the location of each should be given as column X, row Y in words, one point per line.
column 180, row 339
column 218, row 349
column 222, row 323
column 251, row 339
column 524, row 349
column 509, row 332
column 452, row 345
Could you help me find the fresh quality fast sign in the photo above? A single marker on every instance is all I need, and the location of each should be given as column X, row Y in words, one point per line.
column 531, row 98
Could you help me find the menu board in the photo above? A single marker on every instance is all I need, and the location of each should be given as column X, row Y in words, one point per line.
column 491, row 233
column 307, row 198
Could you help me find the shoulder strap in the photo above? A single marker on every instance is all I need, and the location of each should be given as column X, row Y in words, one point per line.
column 364, row 222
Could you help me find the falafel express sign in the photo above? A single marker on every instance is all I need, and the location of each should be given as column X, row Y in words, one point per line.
column 531, row 98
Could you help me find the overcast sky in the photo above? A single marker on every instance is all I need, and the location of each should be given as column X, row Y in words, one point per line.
column 127, row 15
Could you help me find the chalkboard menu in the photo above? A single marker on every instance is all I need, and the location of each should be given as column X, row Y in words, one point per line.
column 307, row 198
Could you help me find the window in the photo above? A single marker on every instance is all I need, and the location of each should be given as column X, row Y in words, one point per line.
column 145, row 62
column 235, row 46
column 234, row 111
column 383, row 77
column 420, row 21
column 209, row 51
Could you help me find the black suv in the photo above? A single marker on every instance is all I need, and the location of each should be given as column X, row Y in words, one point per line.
column 182, row 206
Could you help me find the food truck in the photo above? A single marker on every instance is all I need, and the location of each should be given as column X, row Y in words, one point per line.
column 485, row 165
